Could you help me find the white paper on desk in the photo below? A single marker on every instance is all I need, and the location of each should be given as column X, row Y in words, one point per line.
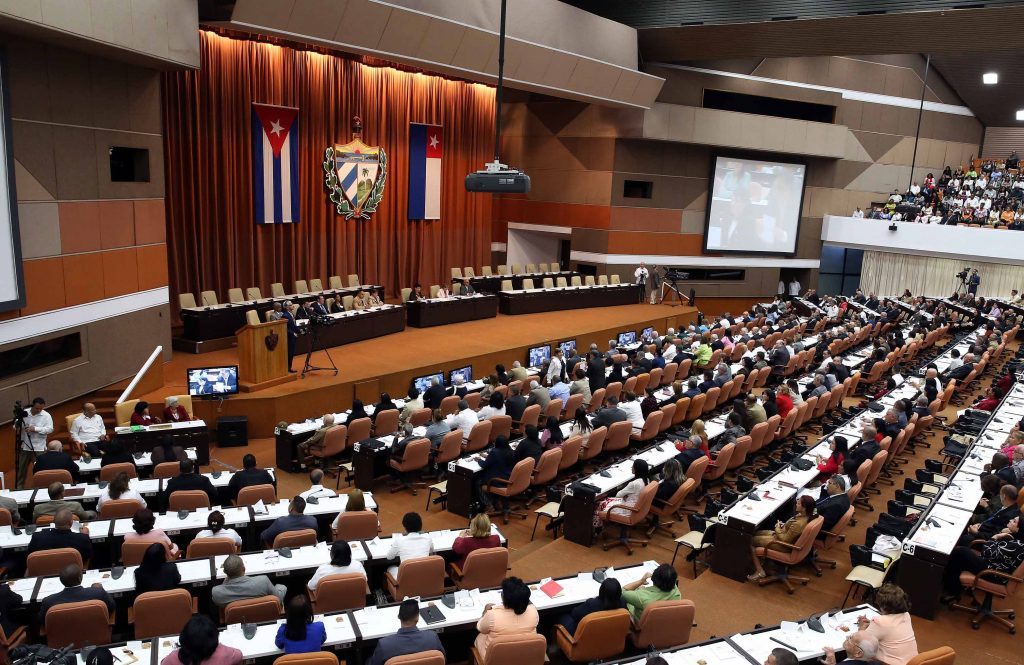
column 464, row 598
column 260, row 508
column 722, row 651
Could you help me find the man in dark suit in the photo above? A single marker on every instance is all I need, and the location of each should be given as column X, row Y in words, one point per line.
column 61, row 535
column 319, row 307
column 867, row 448
column 515, row 404
column 295, row 520
column 74, row 592
column 293, row 333
column 409, row 639
column 55, row 459
column 834, row 505
column 304, row 312
column 609, row 414
column 692, row 387
column 595, row 371
column 689, row 451
column 888, row 425
column 709, row 381
column 962, row 372
column 433, row 395
column 779, row 357
column 249, row 475
column 997, row 521
column 190, row 480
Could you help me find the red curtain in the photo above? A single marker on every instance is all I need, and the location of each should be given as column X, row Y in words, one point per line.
column 213, row 242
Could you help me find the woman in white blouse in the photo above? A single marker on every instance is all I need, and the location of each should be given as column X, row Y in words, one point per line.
column 215, row 529
column 495, row 407
column 119, row 489
column 341, row 563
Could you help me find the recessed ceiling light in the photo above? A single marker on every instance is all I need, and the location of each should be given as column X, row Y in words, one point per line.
column 1020, row 114
column 990, row 78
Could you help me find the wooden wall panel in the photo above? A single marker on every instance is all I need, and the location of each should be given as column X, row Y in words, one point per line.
column 83, row 277
column 44, row 285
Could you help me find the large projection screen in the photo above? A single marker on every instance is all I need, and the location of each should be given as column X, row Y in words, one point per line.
column 12, row 289
column 754, row 206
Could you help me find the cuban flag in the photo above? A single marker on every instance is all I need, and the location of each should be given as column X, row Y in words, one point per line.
column 424, row 171
column 275, row 164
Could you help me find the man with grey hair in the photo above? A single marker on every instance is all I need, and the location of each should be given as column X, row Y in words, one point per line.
column 861, row 649
column 316, row 486
column 538, row 395
column 964, row 370
column 464, row 419
column 722, row 374
column 518, row 372
column 238, row 586
column 868, row 446
column 689, row 451
column 315, row 442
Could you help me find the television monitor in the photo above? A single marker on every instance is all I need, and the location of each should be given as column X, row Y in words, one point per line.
column 647, row 333
column 567, row 346
column 212, row 380
column 627, row 338
column 423, row 382
column 539, row 355
column 465, row 372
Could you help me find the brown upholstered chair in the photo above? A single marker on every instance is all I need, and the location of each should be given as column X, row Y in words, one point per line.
column 187, row 500
column 500, row 426
column 43, row 479
column 518, row 482
column 252, row 610
column 203, row 547
column 415, row 457
column 119, row 508
column 450, row 405
column 570, row 452
column 357, row 525
column 599, row 636
column 423, row 577
column 358, row 430
column 547, row 468
column 830, row 540
column 6, row 519
column 314, row 658
column 133, row 551
column 334, row 444
column 940, row 656
column 334, row 593
column 50, row 562
column 478, row 436
column 636, row 514
column 109, row 472
column 167, row 470
column 484, row 569
column 790, row 555
column 299, row 538
column 595, row 444
column 574, row 402
column 386, row 423
column 7, row 642
column 554, row 409
column 991, row 584
column 162, row 612
column 517, row 649
column 664, row 624
column 652, row 425
column 78, row 624
column 618, row 436
column 420, row 417
column 663, row 509
column 253, row 494
column 596, row 400
column 432, row 657
column 530, row 417
column 450, row 448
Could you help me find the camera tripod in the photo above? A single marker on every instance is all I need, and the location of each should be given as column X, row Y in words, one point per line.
column 316, row 345
column 673, row 287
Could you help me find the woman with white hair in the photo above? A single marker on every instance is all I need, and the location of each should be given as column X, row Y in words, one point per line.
column 174, row 412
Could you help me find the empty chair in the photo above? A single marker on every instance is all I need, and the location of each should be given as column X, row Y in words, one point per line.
column 575, row 280
column 316, row 284
column 186, row 300
column 485, row 271
column 531, row 267
column 423, row 577
column 253, row 293
column 503, row 270
column 456, row 273
column 78, row 624
column 335, row 593
column 334, row 282
column 301, row 286
column 484, row 568
column 235, row 295
column 386, row 423
column 353, row 281
column 548, row 283
column 157, row 613
column 203, row 547
column 618, row 436
column 588, row 280
column 277, row 290
column 468, row 272
column 187, row 500
column 528, row 284
column 208, row 298
column 595, row 444
column 506, row 285
column 614, row 279
column 516, row 485
column 602, row 280
column 249, row 496
column 434, row 289
column 119, row 508
column 109, row 472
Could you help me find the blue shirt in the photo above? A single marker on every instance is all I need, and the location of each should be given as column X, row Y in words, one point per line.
column 316, row 635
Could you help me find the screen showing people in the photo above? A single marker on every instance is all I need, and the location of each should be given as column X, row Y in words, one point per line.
column 213, row 381
column 755, row 206
column 464, row 373
column 423, row 382
column 539, row 355
column 567, row 346
column 627, row 338
column 647, row 334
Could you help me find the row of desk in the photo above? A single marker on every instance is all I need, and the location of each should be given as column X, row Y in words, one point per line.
column 567, row 297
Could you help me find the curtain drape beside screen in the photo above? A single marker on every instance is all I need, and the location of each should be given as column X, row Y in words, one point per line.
column 213, row 242
column 884, row 273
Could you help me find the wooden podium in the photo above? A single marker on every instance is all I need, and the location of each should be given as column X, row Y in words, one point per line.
column 260, row 367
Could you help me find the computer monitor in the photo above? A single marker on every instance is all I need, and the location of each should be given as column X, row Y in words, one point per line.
column 204, row 381
column 539, row 355
column 465, row 372
column 647, row 333
column 567, row 346
column 627, row 338
column 423, row 382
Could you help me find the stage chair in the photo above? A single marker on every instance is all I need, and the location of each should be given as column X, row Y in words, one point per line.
column 615, row 279
column 531, row 267
column 543, row 267
column 485, row 271
column 503, row 269
column 575, row 280
column 337, row 593
column 301, row 286
column 294, row 539
column 422, row 576
column 561, row 282
column 316, row 284
column 156, row 613
column 204, row 547
column 456, row 273
column 50, row 562
column 277, row 290
column 346, row 302
column 357, row 525
column 406, row 291
column 506, row 285
column 484, row 569
column 468, row 272
column 588, row 280
column 208, row 298
column 334, row 281
column 664, row 624
column 187, row 500
column 253, row 293
column 252, row 610
column 434, row 288
column 250, row 495
column 353, row 281
column 235, row 295
column 78, row 624
column 516, row 649
column 599, row 636
column 602, row 280
column 528, row 284
column 43, row 479
column 547, row 283
column 186, row 301
column 517, row 268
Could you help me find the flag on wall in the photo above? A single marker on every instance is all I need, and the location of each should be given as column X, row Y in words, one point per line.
column 424, row 171
column 275, row 164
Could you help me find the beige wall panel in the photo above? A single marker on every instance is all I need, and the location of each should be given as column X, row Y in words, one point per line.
column 316, row 18
column 34, row 150
column 851, row 114
column 40, row 230
column 474, row 49
column 69, row 84
column 112, row 19
column 441, row 40
column 266, row 12
column 693, row 221
column 149, row 28
column 144, row 101
column 625, row 86
column 77, row 167
column 594, row 77
column 656, row 122
column 680, row 122
column 361, row 24
column 109, row 96
column 906, row 121
column 559, row 69
column 29, row 188
column 67, row 15
column 405, row 32
column 30, row 10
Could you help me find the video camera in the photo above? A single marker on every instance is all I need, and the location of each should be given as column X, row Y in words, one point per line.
column 674, row 274
column 962, row 275
column 19, row 411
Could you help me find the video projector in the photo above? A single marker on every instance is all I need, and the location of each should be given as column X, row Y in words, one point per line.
column 498, row 177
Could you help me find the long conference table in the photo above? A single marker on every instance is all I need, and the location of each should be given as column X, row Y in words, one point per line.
column 354, row 326
column 211, row 322
column 429, row 312
column 567, row 297
column 492, row 283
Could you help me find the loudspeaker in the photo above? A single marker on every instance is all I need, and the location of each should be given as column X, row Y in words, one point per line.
column 232, row 431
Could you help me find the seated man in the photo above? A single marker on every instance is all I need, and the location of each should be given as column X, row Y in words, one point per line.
column 315, row 442
column 361, row 301
column 238, row 586
column 409, row 639
column 61, row 535
column 611, row 413
column 316, row 486
column 88, row 432
column 57, row 503
column 55, row 459
column 74, row 592
column 465, row 419
column 293, row 521
column 188, row 479
column 248, row 476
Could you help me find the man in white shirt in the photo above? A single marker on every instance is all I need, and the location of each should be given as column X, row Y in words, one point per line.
column 554, row 368
column 410, row 545
column 464, row 419
column 794, row 288
column 38, row 425
column 782, row 287
column 634, row 413
column 88, row 430
column 642, row 274
column 858, row 214
column 316, row 487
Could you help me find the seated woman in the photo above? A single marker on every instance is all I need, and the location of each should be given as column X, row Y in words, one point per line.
column 581, row 425
column 551, row 436
column 215, row 529
column 495, row 407
column 786, row 532
column 143, row 524
column 498, row 464
column 141, row 415
column 119, row 489
column 672, row 477
column 385, row 404
column 373, row 299
column 1003, row 552
column 299, row 633
column 356, row 412
column 627, row 496
column 198, row 645
column 341, row 563
column 892, row 628
column 827, row 466
column 515, row 616
column 664, row 586
column 477, row 536
column 697, row 429
column 609, row 597
column 175, row 412
column 156, row 573
column 356, row 503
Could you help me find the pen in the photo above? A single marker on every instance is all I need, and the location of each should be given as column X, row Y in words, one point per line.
column 791, row 648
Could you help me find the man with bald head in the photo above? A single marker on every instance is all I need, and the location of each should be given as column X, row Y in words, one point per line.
column 860, row 647
column 56, row 459
column 88, row 431
column 58, row 502
column 868, row 446
column 74, row 592
column 61, row 535
column 315, row 442
column 962, row 372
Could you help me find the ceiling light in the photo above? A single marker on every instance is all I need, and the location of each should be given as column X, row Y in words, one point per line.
column 1020, row 114
column 990, row 78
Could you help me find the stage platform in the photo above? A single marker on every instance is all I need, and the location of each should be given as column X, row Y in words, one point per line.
column 389, row 363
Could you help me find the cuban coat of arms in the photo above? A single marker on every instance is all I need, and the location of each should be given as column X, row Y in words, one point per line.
column 354, row 174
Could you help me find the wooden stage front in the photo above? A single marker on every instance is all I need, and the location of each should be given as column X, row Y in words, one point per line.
column 389, row 363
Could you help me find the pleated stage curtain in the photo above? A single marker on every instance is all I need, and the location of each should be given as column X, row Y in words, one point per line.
column 884, row 273
column 212, row 238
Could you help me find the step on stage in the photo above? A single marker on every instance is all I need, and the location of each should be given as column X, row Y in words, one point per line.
column 389, row 363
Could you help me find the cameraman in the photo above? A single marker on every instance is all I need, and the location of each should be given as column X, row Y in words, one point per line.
column 974, row 282
column 37, row 426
